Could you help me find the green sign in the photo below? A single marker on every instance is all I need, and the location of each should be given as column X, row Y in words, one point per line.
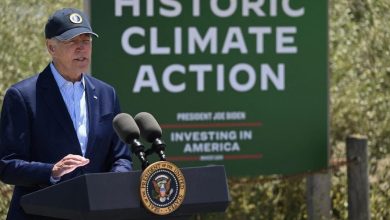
column 241, row 83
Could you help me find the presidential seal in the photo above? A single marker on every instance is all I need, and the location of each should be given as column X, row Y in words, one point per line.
column 162, row 187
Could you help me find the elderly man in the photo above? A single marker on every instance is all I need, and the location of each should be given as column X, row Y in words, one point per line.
column 58, row 124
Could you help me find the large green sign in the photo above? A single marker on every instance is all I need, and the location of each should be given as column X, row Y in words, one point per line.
column 236, row 82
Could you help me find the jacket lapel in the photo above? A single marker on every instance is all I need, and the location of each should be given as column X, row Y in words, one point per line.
column 93, row 113
column 55, row 102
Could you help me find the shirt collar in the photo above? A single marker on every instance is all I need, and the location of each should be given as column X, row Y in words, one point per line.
column 60, row 80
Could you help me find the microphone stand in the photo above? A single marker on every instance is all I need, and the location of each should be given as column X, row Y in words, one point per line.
column 158, row 146
column 138, row 149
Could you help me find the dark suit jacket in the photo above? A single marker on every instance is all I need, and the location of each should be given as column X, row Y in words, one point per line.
column 37, row 131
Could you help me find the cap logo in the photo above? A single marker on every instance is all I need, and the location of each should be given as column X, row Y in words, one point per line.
column 75, row 18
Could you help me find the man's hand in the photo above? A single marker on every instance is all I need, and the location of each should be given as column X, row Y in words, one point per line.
column 68, row 164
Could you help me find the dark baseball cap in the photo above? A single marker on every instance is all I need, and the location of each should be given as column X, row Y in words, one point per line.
column 66, row 24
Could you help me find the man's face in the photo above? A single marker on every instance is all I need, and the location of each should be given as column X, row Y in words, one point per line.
column 71, row 57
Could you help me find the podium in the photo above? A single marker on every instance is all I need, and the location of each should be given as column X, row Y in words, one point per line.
column 117, row 196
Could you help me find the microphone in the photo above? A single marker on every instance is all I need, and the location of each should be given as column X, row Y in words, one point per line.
column 151, row 132
column 128, row 131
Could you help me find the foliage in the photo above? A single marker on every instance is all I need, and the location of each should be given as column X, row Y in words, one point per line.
column 360, row 67
column 5, row 195
column 22, row 48
column 359, row 92
column 257, row 198
column 359, row 53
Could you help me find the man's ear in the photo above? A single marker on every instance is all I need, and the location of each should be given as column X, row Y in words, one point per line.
column 50, row 46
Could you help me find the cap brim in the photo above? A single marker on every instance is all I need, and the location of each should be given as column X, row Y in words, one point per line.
column 74, row 32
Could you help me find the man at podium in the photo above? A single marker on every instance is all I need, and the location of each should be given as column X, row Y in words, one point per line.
column 58, row 124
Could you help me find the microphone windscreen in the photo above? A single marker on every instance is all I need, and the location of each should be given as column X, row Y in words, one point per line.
column 126, row 128
column 149, row 127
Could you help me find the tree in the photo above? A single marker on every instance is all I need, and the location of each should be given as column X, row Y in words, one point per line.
column 360, row 82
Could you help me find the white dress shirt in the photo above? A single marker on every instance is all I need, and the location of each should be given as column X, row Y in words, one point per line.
column 74, row 98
